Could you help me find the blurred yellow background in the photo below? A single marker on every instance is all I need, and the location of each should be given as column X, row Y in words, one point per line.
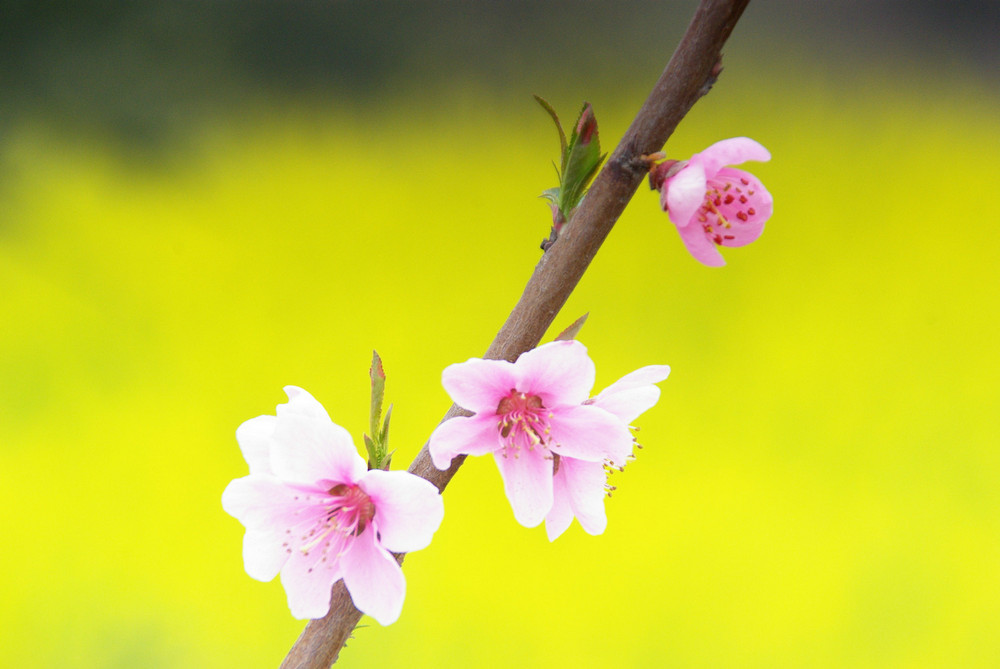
column 819, row 484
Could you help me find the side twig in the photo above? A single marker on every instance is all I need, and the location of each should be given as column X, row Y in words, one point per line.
column 687, row 77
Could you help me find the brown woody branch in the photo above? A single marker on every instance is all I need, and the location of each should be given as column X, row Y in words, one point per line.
column 690, row 72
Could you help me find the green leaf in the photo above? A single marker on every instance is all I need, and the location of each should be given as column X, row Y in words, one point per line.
column 583, row 161
column 383, row 436
column 377, row 374
column 372, row 449
column 552, row 195
column 555, row 118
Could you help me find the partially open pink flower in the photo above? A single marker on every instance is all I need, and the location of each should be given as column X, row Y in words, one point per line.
column 315, row 513
column 534, row 417
column 580, row 487
column 713, row 205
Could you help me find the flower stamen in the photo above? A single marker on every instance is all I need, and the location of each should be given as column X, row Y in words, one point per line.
column 523, row 423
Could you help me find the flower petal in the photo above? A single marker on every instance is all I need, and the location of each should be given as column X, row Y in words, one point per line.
column 261, row 502
column 589, row 433
column 583, row 483
column 630, row 396
column 683, row 194
column 527, row 481
column 747, row 206
column 560, row 516
column 374, row 579
column 478, row 385
column 263, row 554
column 700, row 246
column 311, row 448
column 276, row 517
column 301, row 403
column 559, row 372
column 731, row 151
column 307, row 580
column 643, row 376
column 408, row 509
column 254, row 437
column 471, row 435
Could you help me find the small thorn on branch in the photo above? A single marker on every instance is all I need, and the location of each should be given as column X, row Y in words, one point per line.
column 713, row 77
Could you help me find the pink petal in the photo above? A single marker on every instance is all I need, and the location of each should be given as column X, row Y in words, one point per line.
column 630, row 396
column 408, row 509
column 746, row 207
column 700, row 246
column 559, row 372
column 478, row 385
column 471, row 435
column 307, row 580
column 560, row 516
column 682, row 194
column 583, row 483
column 374, row 579
column 527, row 481
column 301, row 403
column 310, row 448
column 254, row 438
column 731, row 152
column 589, row 433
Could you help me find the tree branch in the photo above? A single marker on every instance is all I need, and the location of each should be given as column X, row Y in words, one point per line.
column 690, row 72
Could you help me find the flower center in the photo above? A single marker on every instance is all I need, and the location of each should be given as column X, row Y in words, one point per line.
column 352, row 508
column 523, row 423
column 728, row 214
column 344, row 513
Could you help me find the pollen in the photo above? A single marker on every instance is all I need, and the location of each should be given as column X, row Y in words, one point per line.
column 523, row 424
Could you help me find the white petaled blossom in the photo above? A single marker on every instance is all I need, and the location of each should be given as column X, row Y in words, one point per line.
column 316, row 514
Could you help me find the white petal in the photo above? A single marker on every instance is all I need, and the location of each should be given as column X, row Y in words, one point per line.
column 263, row 554
column 560, row 516
column 308, row 580
column 469, row 435
column 254, row 437
column 630, row 396
column 408, row 509
column 309, row 448
column 584, row 484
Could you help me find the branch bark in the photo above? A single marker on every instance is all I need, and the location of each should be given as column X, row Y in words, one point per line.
column 690, row 72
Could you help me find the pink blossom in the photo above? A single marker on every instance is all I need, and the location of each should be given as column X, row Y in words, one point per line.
column 314, row 513
column 580, row 487
column 713, row 205
column 549, row 442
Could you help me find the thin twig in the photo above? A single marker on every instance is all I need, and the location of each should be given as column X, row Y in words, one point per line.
column 687, row 77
